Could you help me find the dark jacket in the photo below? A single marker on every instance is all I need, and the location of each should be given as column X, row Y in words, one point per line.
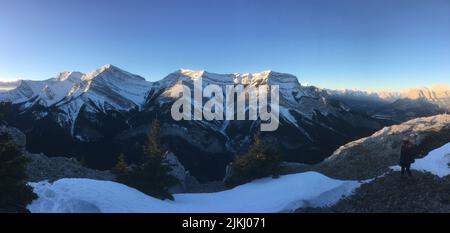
column 407, row 155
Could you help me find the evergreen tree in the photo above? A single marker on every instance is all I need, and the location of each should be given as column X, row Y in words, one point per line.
column 121, row 166
column 261, row 160
column 153, row 175
column 5, row 108
column 14, row 193
column 154, row 146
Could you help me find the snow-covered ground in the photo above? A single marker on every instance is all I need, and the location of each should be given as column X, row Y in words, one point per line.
column 284, row 194
column 435, row 162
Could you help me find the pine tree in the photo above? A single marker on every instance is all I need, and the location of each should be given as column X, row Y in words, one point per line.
column 5, row 108
column 121, row 166
column 153, row 175
column 14, row 193
column 154, row 146
column 261, row 160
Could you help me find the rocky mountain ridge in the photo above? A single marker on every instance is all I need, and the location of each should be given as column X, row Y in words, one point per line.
column 107, row 112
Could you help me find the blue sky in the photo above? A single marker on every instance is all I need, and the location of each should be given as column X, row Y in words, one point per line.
column 364, row 44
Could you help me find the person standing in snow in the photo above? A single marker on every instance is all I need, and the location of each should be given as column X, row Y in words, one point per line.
column 407, row 155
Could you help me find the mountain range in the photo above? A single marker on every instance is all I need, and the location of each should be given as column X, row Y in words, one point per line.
column 98, row 115
column 400, row 106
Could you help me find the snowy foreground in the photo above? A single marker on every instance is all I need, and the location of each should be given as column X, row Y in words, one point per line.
column 435, row 162
column 285, row 194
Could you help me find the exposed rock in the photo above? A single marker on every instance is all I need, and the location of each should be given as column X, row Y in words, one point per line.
column 291, row 168
column 41, row 167
column 188, row 183
column 228, row 172
column 178, row 171
column 372, row 156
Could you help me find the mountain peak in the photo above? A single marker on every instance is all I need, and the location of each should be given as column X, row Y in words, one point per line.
column 108, row 66
column 111, row 71
column 270, row 76
column 265, row 72
column 434, row 92
column 192, row 73
column 70, row 75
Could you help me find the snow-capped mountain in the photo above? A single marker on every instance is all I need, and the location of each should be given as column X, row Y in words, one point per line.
column 46, row 93
column 308, row 118
column 398, row 107
column 106, row 112
column 110, row 86
column 106, row 87
column 438, row 94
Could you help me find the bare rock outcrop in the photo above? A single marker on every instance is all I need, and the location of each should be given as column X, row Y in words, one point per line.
column 186, row 181
column 41, row 167
column 372, row 156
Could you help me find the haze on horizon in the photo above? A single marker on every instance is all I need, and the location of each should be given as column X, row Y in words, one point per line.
column 348, row 44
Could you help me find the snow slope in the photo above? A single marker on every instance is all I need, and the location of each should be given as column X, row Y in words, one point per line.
column 47, row 92
column 284, row 194
column 114, row 86
column 106, row 87
column 436, row 162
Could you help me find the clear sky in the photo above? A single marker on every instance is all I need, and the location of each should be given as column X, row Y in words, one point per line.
column 365, row 44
